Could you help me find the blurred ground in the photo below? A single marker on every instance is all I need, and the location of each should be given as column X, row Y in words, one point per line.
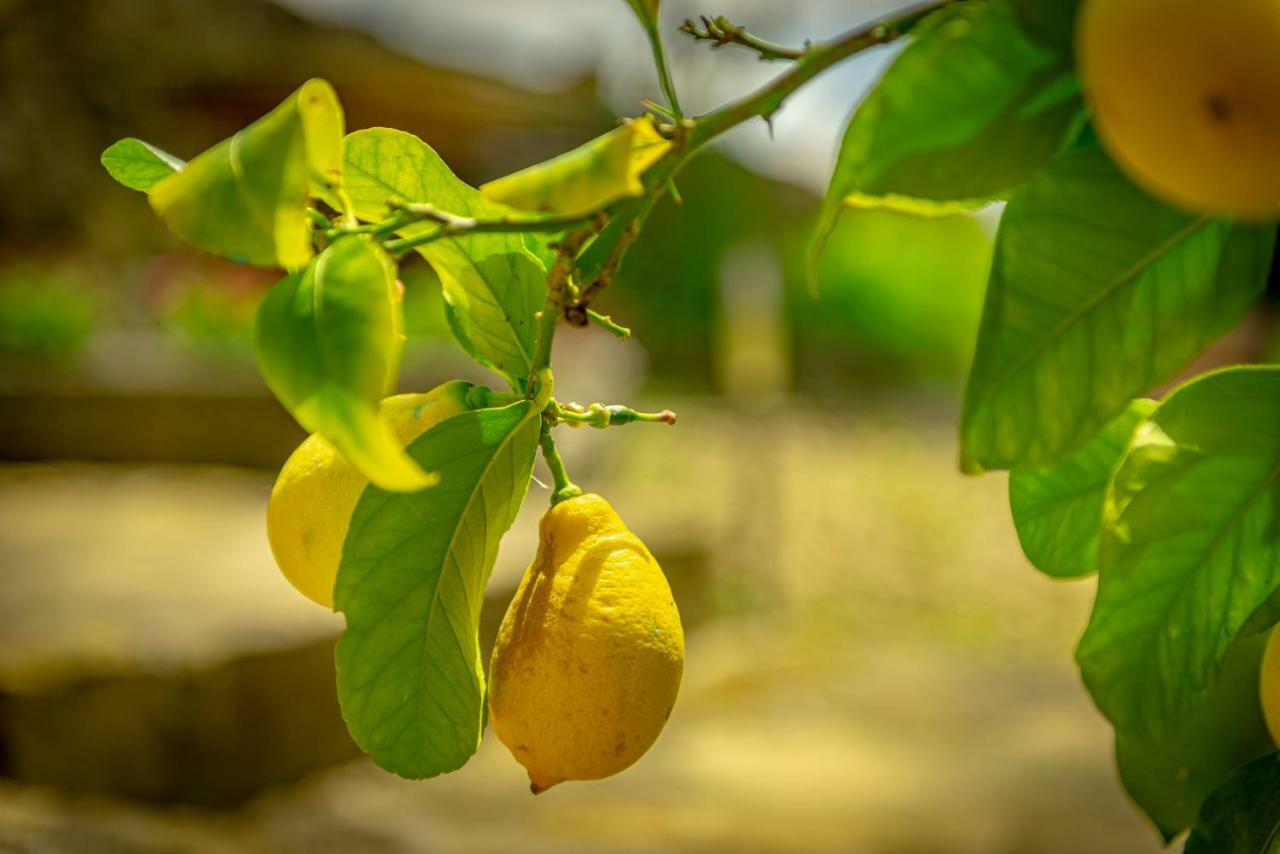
column 872, row 667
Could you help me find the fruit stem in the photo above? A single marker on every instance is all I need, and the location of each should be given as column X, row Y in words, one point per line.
column 564, row 488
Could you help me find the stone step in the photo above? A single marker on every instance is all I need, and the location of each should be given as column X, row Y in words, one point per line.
column 148, row 646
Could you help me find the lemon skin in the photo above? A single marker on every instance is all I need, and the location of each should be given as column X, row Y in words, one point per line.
column 588, row 659
column 317, row 490
column 1270, row 687
column 1184, row 98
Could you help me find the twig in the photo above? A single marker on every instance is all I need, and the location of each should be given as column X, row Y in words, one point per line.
column 599, row 416
column 721, row 31
column 766, row 101
column 604, row 320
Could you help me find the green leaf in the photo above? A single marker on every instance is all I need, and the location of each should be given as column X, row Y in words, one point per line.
column 493, row 286
column 139, row 165
column 1097, row 294
column 588, row 178
column 970, row 109
column 412, row 579
column 328, row 342
column 1051, row 20
column 246, row 198
column 1242, row 817
column 1189, row 551
column 1169, row 779
column 1057, row 509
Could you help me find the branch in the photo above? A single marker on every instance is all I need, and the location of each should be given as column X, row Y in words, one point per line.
column 690, row 135
column 454, row 225
column 721, row 31
column 815, row 59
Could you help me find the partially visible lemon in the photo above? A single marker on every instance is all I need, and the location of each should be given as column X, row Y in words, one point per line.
column 317, row 491
column 1270, row 687
column 589, row 656
column 1186, row 98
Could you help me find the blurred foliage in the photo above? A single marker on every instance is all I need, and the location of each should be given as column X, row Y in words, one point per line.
column 899, row 297
column 205, row 305
column 46, row 314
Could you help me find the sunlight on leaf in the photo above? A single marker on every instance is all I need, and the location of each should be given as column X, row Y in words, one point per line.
column 1097, row 294
column 246, row 197
column 1188, row 553
column 411, row 583
column 588, row 178
column 328, row 341
column 493, row 286
column 139, row 165
column 1057, row 510
column 971, row 109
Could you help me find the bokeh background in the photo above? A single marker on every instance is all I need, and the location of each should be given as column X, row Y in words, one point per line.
column 872, row 665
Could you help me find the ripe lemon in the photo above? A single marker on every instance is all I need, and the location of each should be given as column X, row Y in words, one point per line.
column 1186, row 98
column 589, row 656
column 317, row 490
column 1271, row 685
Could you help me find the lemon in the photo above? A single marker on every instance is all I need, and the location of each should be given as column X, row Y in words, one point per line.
column 317, row 490
column 589, row 656
column 1184, row 97
column 1271, row 685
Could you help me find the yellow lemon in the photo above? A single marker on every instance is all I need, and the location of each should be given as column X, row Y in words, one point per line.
column 317, row 491
column 1271, row 685
column 1184, row 97
column 589, row 656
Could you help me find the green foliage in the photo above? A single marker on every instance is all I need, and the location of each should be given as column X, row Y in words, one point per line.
column 412, row 579
column 1170, row 778
column 1242, row 817
column 1058, row 509
column 971, row 109
column 588, row 178
column 1189, row 549
column 898, row 296
column 1097, row 293
column 328, row 342
column 139, row 165
column 46, row 316
column 492, row 284
column 246, row 198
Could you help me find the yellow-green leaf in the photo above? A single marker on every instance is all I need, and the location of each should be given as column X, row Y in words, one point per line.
column 588, row 178
column 139, row 165
column 493, row 286
column 328, row 341
column 246, row 198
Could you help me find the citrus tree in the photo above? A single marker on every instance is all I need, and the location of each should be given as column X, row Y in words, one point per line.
column 1133, row 145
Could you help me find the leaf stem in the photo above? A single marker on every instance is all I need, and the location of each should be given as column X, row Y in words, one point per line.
column 604, row 320
column 564, row 487
column 664, row 71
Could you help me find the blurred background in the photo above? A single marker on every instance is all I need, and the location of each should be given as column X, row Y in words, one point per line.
column 872, row 666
